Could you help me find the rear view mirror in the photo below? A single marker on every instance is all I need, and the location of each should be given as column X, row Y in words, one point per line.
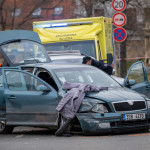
column 109, row 58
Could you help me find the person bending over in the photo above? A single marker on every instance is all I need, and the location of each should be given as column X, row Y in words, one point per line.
column 99, row 64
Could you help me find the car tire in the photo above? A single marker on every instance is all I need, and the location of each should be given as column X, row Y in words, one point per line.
column 64, row 126
column 4, row 129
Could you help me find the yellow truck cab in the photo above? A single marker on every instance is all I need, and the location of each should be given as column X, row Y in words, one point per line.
column 92, row 36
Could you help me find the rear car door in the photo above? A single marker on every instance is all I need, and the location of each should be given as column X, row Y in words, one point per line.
column 29, row 100
column 137, row 73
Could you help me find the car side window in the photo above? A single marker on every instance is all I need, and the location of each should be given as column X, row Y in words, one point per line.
column 19, row 81
column 3, row 61
column 137, row 73
column 30, row 69
column 45, row 75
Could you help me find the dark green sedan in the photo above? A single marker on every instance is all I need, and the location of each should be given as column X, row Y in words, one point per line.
column 31, row 93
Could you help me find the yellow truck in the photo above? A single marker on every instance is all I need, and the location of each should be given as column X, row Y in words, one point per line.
column 92, row 36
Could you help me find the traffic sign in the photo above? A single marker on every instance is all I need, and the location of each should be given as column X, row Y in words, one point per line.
column 119, row 5
column 120, row 34
column 119, row 19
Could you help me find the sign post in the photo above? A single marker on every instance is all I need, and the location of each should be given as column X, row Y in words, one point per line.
column 119, row 20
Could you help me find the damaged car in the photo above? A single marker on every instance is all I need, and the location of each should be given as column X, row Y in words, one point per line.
column 31, row 89
column 31, row 93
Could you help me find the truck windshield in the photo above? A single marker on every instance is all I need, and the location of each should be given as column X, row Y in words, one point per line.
column 85, row 47
column 25, row 51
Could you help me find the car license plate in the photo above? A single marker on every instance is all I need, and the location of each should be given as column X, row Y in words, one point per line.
column 133, row 116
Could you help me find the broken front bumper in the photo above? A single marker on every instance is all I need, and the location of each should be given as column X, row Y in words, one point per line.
column 95, row 123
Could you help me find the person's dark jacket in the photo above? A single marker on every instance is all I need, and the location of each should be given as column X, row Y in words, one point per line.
column 105, row 67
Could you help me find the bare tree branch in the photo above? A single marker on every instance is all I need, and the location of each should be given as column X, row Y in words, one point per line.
column 29, row 15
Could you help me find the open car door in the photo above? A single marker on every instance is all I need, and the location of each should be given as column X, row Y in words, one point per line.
column 29, row 100
column 137, row 79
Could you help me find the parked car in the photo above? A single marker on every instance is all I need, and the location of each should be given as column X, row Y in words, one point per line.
column 31, row 99
column 19, row 47
column 73, row 56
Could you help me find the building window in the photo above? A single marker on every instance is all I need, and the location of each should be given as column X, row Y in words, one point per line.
column 58, row 11
column 37, row 12
column 17, row 12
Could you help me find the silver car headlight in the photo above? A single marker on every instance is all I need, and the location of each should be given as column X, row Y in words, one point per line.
column 100, row 108
column 148, row 104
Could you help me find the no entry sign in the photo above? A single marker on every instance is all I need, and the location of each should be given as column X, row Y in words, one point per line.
column 119, row 19
column 120, row 34
column 119, row 5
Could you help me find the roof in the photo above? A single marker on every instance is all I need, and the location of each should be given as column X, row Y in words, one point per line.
column 56, row 65
column 13, row 35
column 65, row 55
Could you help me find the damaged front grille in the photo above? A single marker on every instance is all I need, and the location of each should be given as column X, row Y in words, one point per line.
column 129, row 106
column 130, row 123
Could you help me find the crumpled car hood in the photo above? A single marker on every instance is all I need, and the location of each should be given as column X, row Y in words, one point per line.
column 116, row 94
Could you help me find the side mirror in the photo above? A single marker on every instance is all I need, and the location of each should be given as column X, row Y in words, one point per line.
column 43, row 88
column 109, row 58
column 131, row 82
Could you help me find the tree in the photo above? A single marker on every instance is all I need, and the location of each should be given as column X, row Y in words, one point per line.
column 86, row 6
column 8, row 9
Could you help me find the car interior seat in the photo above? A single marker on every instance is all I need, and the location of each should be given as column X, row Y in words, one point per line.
column 48, row 79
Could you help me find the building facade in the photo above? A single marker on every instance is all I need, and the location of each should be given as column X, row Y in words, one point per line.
column 18, row 14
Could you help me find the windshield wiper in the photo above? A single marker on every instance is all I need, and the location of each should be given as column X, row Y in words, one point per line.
column 11, row 41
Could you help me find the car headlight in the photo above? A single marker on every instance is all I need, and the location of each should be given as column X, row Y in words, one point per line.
column 99, row 108
column 148, row 104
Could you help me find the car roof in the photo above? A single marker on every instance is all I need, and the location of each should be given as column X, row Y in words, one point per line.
column 13, row 35
column 67, row 54
column 56, row 65
column 59, row 57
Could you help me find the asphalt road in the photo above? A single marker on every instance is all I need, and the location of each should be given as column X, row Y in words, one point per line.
column 39, row 139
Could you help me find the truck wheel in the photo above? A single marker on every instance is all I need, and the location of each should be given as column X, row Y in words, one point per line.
column 64, row 126
column 4, row 129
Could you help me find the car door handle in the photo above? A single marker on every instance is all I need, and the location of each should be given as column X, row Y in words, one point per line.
column 12, row 97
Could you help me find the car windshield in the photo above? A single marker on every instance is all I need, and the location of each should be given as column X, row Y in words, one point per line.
column 85, row 75
column 85, row 47
column 25, row 51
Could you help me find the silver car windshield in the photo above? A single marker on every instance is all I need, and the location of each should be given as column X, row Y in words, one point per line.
column 25, row 51
column 86, row 75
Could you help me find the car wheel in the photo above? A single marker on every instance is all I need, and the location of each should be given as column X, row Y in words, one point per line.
column 64, row 126
column 4, row 128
